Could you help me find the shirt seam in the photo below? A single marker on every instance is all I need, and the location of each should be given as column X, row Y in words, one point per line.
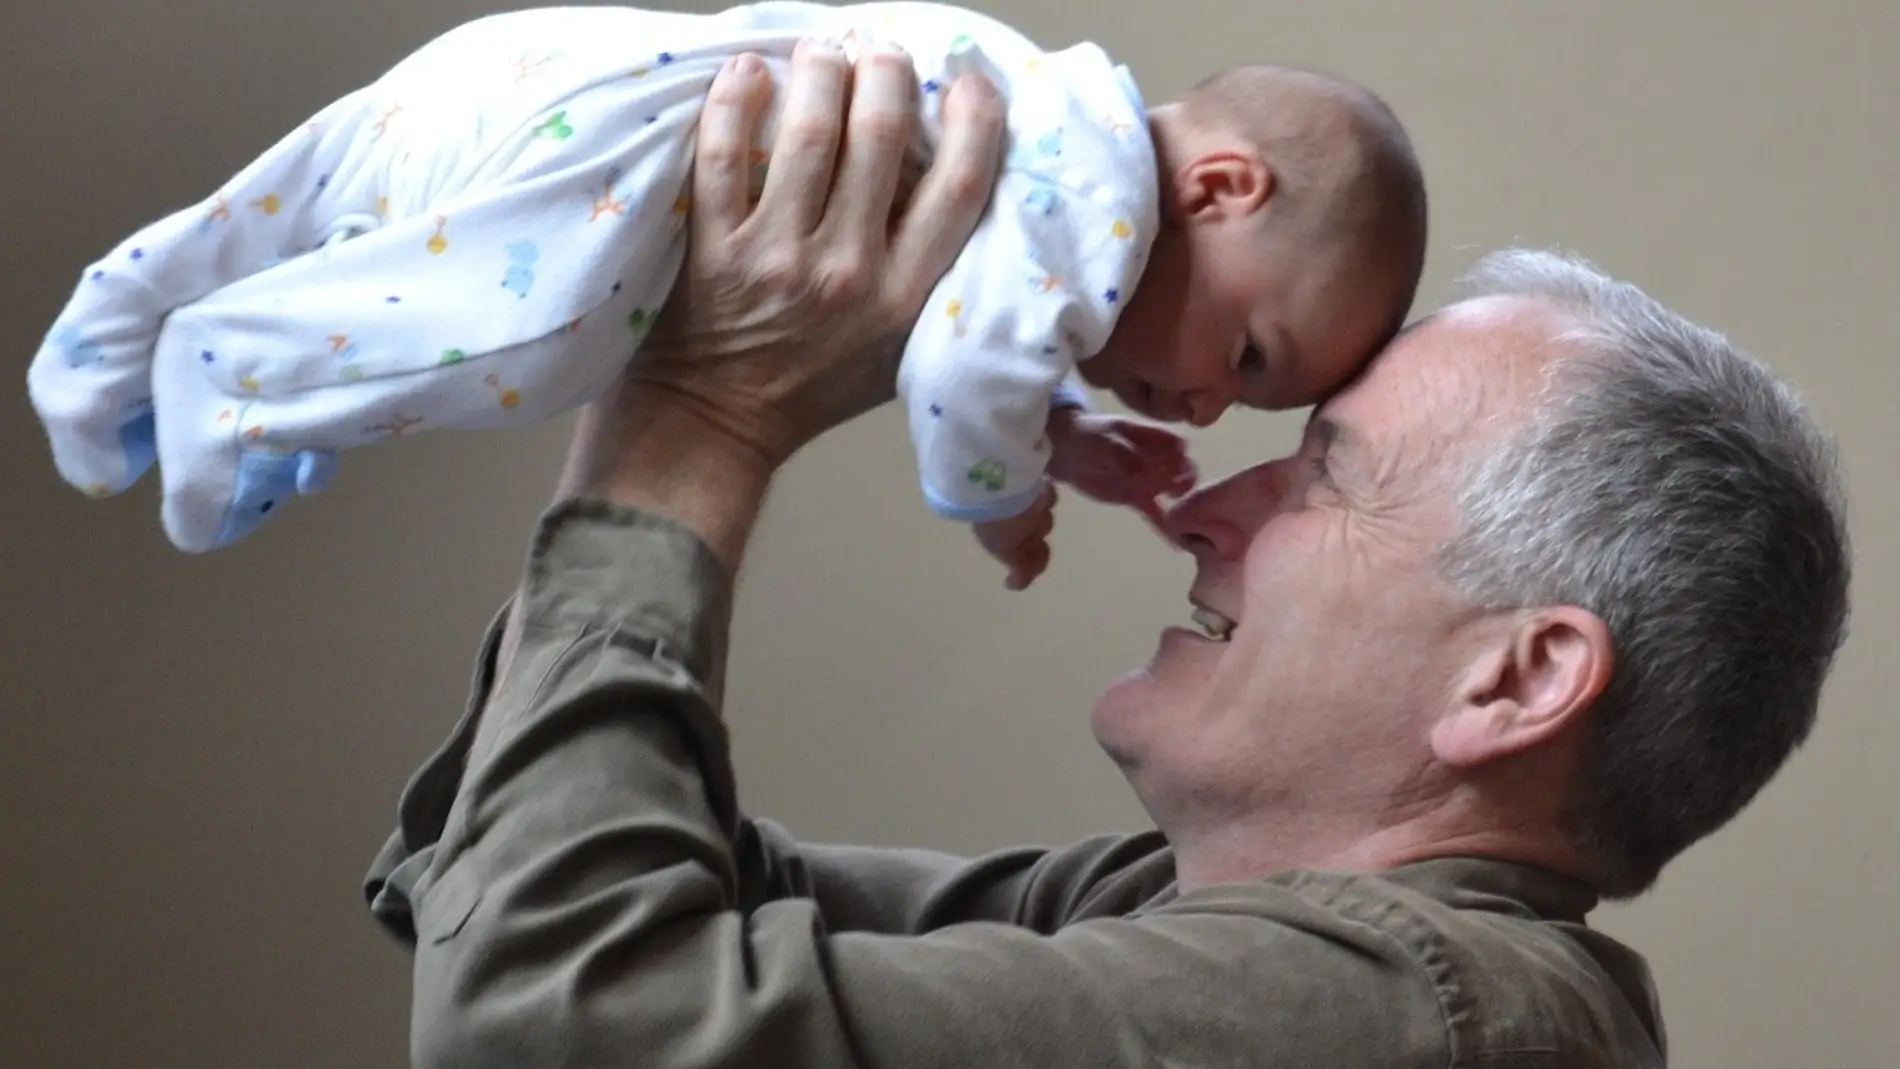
column 1413, row 954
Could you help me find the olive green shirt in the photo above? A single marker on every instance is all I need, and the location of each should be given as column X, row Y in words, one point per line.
column 580, row 887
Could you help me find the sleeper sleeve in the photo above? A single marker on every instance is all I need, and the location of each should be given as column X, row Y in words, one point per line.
column 1038, row 288
column 1071, row 392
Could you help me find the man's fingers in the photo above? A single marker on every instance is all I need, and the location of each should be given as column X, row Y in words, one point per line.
column 1185, row 476
column 728, row 128
column 953, row 192
column 883, row 114
column 805, row 152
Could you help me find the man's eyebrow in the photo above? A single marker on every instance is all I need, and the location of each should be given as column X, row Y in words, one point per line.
column 1327, row 433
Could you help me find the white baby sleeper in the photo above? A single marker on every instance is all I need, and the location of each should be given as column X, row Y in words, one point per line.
column 480, row 238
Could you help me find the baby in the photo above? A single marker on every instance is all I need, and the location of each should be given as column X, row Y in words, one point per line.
column 482, row 236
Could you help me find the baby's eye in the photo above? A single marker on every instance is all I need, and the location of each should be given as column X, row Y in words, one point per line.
column 1250, row 359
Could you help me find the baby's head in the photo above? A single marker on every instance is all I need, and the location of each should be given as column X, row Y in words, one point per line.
column 1292, row 239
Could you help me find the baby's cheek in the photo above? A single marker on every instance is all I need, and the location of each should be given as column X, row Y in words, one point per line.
column 1142, row 335
column 1296, row 385
column 1112, row 356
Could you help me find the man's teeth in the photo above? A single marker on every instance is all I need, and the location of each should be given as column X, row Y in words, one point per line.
column 1213, row 624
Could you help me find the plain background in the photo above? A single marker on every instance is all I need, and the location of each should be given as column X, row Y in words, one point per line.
column 198, row 756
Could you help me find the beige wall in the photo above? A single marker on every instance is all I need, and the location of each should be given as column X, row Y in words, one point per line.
column 197, row 756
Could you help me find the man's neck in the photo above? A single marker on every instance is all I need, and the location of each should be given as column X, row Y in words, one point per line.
column 1269, row 843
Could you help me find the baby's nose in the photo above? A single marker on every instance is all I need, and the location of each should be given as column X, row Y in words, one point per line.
column 1205, row 407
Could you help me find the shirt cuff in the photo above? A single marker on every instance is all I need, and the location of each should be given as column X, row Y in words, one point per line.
column 596, row 563
column 591, row 566
column 985, row 512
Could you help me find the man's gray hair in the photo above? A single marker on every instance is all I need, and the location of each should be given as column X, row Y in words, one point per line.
column 1675, row 487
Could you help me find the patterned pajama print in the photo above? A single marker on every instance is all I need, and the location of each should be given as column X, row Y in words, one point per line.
column 480, row 238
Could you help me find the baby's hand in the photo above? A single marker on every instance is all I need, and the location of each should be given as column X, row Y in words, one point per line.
column 1119, row 461
column 1022, row 541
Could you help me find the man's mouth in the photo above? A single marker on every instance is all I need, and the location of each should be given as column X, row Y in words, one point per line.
column 1213, row 624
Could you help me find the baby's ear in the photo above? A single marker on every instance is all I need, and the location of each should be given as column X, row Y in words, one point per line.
column 1224, row 184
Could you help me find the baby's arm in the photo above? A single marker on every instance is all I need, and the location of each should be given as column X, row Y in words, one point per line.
column 996, row 347
column 1119, row 461
column 1071, row 394
column 1037, row 288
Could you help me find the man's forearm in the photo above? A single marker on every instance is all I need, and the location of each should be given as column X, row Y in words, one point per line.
column 645, row 449
column 649, row 449
column 588, row 896
column 575, row 884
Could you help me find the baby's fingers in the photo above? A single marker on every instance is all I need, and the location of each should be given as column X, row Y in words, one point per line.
column 1166, row 466
column 1182, row 476
column 1029, row 561
column 1151, row 509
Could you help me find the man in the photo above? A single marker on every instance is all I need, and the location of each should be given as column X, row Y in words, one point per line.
column 1545, row 596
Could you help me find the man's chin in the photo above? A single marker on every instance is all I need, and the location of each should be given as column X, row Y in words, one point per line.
column 1126, row 714
column 1117, row 721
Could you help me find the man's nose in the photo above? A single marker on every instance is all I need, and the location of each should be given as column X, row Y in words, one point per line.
column 1218, row 521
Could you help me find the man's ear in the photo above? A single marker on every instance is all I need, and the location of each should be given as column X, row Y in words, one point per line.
column 1543, row 672
column 1222, row 184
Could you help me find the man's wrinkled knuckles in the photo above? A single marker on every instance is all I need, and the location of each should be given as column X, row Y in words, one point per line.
column 880, row 129
column 809, row 134
column 777, row 267
column 845, row 286
column 844, row 279
column 722, row 160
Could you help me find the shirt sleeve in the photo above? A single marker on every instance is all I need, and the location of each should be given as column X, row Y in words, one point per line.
column 888, row 890
column 583, row 903
column 911, row 891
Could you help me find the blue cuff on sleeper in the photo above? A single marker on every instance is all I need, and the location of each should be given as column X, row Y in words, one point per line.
column 1068, row 395
column 1000, row 509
